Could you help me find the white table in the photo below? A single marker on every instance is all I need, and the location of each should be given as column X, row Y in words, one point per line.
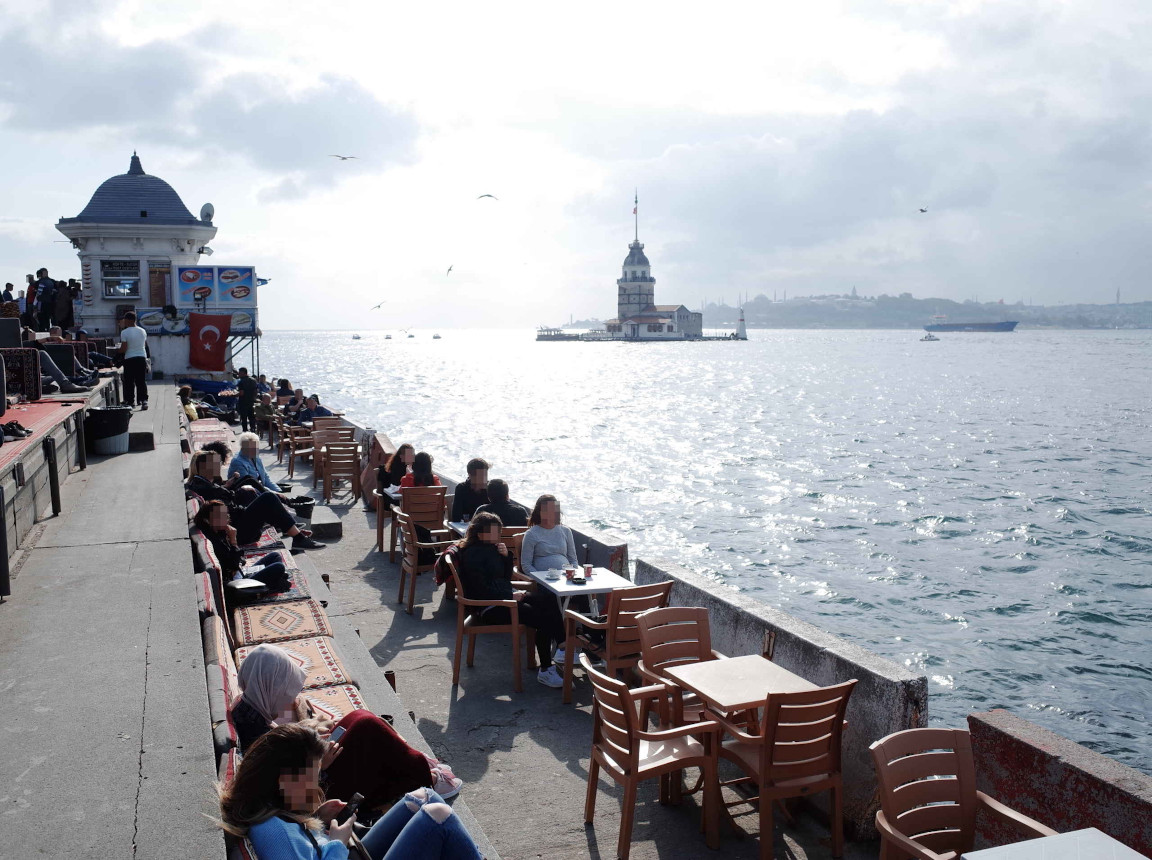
column 1087, row 844
column 737, row 683
column 461, row 528
column 603, row 581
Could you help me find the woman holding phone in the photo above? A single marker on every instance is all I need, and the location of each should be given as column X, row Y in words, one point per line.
column 369, row 756
column 276, row 802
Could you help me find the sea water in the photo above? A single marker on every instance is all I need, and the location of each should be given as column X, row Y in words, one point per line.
column 976, row 509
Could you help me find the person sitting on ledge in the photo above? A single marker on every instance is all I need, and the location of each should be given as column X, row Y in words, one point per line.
column 276, row 803
column 312, row 409
column 213, row 520
column 472, row 493
column 49, row 372
column 485, row 567
column 97, row 359
column 184, row 392
column 249, row 519
column 421, row 474
column 379, row 762
column 510, row 513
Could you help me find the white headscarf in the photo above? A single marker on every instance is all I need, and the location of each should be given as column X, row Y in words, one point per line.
column 270, row 680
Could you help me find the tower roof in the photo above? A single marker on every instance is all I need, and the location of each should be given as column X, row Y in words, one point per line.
column 636, row 255
column 136, row 197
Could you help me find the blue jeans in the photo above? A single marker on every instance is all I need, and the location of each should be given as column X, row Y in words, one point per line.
column 408, row 832
column 274, row 574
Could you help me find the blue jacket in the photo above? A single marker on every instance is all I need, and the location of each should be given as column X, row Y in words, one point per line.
column 277, row 839
column 244, row 467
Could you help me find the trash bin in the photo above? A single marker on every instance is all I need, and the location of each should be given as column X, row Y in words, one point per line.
column 106, row 428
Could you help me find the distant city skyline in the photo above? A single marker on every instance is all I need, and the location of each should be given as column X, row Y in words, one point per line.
column 793, row 152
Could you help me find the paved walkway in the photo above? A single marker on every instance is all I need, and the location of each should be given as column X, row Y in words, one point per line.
column 103, row 704
column 524, row 757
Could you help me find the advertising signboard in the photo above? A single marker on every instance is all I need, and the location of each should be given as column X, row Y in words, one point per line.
column 196, row 285
column 235, row 287
column 153, row 321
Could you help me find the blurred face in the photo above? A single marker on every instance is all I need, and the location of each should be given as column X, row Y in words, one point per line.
column 408, row 457
column 218, row 518
column 250, row 448
column 311, row 403
column 301, row 791
column 299, row 393
column 480, row 479
column 210, row 466
column 491, row 534
column 549, row 514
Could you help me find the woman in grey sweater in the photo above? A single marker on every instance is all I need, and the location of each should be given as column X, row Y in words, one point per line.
column 548, row 545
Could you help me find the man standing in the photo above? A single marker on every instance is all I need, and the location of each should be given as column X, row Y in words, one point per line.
column 133, row 340
column 248, row 389
column 7, row 294
column 45, row 300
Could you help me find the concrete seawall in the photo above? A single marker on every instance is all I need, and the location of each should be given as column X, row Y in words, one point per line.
column 1058, row 782
column 888, row 698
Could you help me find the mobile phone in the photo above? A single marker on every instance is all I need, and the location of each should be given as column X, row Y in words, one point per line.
column 337, row 733
column 350, row 808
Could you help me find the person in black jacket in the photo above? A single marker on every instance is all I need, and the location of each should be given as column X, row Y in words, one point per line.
column 510, row 513
column 472, row 493
column 485, row 568
column 213, row 520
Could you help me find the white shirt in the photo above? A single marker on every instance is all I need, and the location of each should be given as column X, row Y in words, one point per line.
column 135, row 337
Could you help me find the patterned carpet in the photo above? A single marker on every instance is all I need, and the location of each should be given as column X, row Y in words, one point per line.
column 40, row 418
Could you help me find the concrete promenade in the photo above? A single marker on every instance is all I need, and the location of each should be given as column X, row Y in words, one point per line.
column 102, row 697
column 524, row 757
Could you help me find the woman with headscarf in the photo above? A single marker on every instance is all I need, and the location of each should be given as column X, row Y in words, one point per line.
column 376, row 761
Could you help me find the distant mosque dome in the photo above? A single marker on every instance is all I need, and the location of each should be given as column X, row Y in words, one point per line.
column 636, row 255
column 136, row 197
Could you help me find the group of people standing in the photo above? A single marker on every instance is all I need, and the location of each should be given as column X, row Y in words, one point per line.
column 43, row 303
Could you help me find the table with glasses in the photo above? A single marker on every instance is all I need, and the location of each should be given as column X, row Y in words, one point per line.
column 603, row 581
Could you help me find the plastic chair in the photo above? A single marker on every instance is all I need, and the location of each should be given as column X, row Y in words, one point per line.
column 795, row 754
column 629, row 754
column 674, row 636
column 341, row 460
column 621, row 648
column 410, row 566
column 426, row 505
column 928, row 796
column 469, row 623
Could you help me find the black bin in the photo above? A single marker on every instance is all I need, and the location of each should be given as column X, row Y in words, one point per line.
column 106, row 429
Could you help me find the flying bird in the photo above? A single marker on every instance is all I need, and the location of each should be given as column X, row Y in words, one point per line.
column 449, row 272
column 923, row 211
column 344, row 157
column 482, row 196
column 374, row 307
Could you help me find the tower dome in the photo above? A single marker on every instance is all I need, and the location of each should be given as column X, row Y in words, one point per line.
column 636, row 255
column 136, row 197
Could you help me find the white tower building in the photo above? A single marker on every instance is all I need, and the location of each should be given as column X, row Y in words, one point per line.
column 636, row 288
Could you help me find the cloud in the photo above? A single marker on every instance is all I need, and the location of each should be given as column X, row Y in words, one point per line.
column 162, row 92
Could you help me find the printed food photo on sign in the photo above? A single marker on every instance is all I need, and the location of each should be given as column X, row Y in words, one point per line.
column 243, row 323
column 197, row 285
column 236, row 285
column 150, row 319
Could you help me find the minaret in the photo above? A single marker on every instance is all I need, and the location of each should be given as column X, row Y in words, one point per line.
column 636, row 288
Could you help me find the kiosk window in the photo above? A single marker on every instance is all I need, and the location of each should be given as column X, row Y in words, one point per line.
column 121, row 278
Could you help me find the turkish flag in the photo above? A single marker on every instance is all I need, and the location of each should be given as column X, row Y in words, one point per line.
column 208, row 340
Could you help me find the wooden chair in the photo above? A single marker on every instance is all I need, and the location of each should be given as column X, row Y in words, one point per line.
column 630, row 754
column 674, row 636
column 426, row 505
column 282, row 399
column 299, row 446
column 928, row 796
column 341, row 460
column 410, row 566
column 381, row 507
column 328, row 422
column 469, row 622
column 513, row 538
column 795, row 754
column 282, row 436
column 622, row 636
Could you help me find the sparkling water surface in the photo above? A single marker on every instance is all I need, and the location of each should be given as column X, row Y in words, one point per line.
column 976, row 509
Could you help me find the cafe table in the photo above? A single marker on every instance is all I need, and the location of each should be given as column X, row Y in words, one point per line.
column 460, row 528
column 737, row 683
column 603, row 581
column 1086, row 844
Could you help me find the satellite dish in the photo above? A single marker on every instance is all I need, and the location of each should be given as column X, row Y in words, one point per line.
column 206, row 212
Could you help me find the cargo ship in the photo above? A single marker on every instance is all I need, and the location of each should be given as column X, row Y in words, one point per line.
column 938, row 325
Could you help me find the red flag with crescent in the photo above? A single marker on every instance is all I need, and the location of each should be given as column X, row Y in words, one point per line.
column 208, row 340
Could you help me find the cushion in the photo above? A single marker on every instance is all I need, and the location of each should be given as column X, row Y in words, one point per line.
column 297, row 590
column 316, row 656
column 204, row 600
column 334, row 703
column 269, row 540
column 22, row 372
column 228, row 764
column 279, row 622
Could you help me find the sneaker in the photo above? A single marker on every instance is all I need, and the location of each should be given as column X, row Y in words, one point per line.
column 445, row 785
column 70, row 388
column 302, row 541
column 144, row 406
column 550, row 677
column 558, row 656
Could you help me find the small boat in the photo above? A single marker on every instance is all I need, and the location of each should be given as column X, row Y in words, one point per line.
column 435, row 337
column 929, row 337
column 355, row 337
column 387, row 337
column 411, row 335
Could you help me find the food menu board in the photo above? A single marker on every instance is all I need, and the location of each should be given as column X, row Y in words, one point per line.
column 216, row 288
column 156, row 322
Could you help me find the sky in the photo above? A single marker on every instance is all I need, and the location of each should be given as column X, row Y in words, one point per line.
column 774, row 147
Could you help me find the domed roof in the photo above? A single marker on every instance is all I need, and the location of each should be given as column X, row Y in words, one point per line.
column 636, row 255
column 136, row 198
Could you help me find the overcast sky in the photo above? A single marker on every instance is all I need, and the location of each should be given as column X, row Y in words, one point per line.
column 776, row 146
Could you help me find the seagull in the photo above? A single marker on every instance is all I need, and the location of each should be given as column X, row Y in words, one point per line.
column 449, row 272
column 923, row 211
column 374, row 307
column 482, row 196
column 344, row 157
